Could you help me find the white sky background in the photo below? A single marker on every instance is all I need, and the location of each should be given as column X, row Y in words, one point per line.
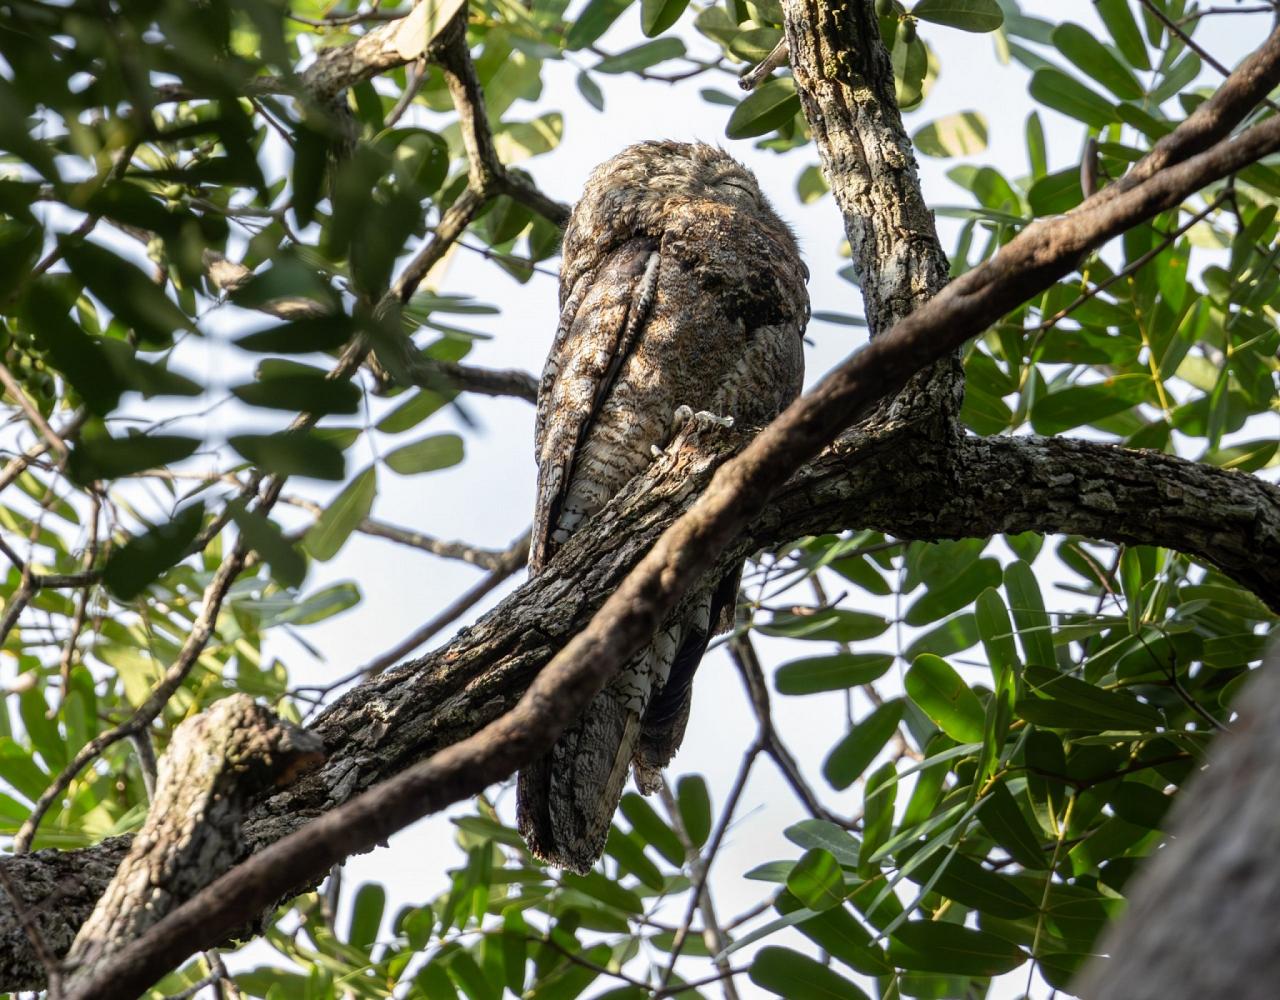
column 488, row 500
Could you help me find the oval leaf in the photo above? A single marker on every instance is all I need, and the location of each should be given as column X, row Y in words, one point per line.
column 858, row 749
column 944, row 696
column 767, row 107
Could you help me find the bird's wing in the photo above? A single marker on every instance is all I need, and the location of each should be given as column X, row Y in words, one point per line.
column 602, row 316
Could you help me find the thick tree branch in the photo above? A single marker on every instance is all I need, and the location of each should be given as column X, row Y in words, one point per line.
column 215, row 765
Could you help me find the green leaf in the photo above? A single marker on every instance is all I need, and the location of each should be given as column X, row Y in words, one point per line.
column 133, row 298
column 967, row 15
column 878, row 800
column 961, row 134
column 287, row 564
column 817, row 880
column 967, row 882
column 934, row 946
column 769, row 106
column 78, row 356
column 342, row 516
column 1094, row 58
column 656, row 16
column 997, row 634
column 1055, row 89
column 301, row 336
column 837, row 672
column 604, row 889
column 809, row 833
column 1000, row 816
column 1056, row 193
column 1120, row 22
column 288, row 610
column 292, row 453
column 642, row 56
column 628, row 850
column 590, row 90
column 1028, row 613
column 828, row 625
column 837, row 932
column 138, row 562
column 302, row 392
column 112, row 458
column 695, row 808
column 1063, row 702
column 798, row 977
column 652, row 828
column 958, row 591
column 944, row 696
column 366, row 915
column 852, row 755
column 593, row 22
column 1087, row 404
column 437, row 451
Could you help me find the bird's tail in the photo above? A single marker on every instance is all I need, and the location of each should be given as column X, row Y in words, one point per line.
column 567, row 798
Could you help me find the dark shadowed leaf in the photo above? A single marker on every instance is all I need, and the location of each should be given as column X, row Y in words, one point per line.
column 852, row 755
column 303, row 393
column 77, row 355
column 288, row 566
column 111, row 458
column 132, row 297
column 292, row 453
column 656, row 16
column 933, row 946
column 593, row 22
column 798, row 977
column 653, row 828
column 695, row 808
column 139, row 561
column 302, row 336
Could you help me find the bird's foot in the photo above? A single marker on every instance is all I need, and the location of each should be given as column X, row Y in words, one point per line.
column 705, row 418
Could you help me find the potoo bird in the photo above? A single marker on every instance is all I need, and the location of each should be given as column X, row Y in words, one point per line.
column 681, row 290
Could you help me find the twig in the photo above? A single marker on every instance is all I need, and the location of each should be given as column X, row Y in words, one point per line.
column 777, row 57
column 515, row 557
column 702, row 869
column 484, row 558
column 712, row 934
column 743, row 654
column 1195, row 46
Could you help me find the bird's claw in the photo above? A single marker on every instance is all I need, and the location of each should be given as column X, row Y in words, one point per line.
column 706, row 418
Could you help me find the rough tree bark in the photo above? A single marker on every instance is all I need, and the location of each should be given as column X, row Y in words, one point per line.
column 215, row 765
column 902, row 478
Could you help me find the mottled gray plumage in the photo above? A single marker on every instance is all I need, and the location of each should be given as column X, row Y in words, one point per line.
column 679, row 287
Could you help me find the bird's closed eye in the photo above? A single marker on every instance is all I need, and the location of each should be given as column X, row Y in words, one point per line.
column 729, row 182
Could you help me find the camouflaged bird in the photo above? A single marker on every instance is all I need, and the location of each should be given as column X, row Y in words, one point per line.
column 681, row 293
